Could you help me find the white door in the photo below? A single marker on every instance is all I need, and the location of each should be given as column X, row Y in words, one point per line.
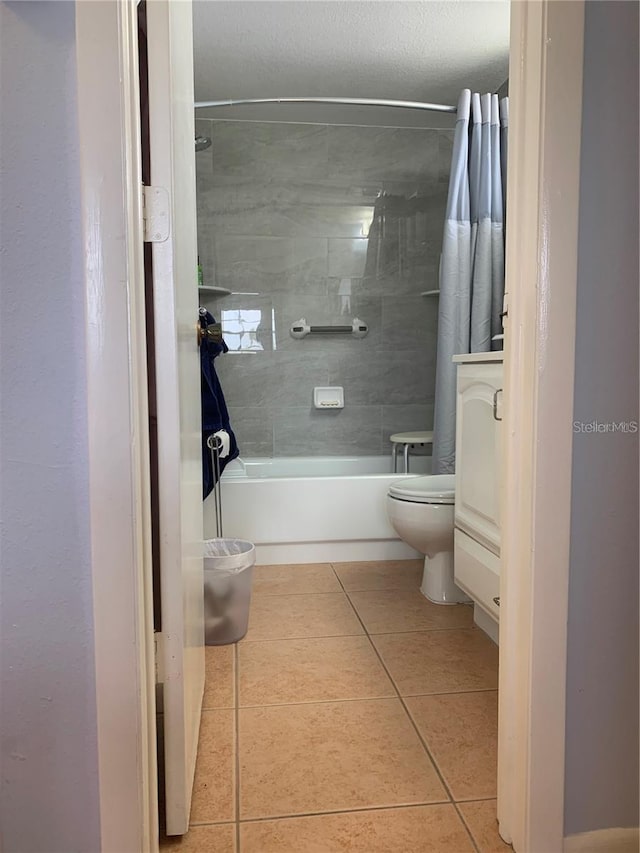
column 177, row 369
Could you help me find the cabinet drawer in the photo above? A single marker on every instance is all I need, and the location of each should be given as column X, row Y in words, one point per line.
column 477, row 571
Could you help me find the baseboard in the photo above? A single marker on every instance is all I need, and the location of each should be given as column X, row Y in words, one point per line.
column 273, row 554
column 486, row 623
column 604, row 841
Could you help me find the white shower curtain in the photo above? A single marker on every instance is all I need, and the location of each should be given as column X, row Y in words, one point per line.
column 472, row 261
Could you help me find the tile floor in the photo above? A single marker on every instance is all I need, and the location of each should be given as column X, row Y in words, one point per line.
column 354, row 716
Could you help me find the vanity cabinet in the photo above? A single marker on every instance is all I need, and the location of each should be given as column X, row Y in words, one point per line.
column 478, row 478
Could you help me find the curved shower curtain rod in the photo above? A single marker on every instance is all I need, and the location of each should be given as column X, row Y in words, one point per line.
column 359, row 102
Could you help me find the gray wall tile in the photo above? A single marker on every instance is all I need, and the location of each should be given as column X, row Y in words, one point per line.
column 410, row 322
column 253, row 427
column 271, row 264
column 347, row 257
column 284, row 216
column 382, row 153
column 404, row 419
column 305, row 431
column 269, row 151
column 271, row 378
column 397, row 378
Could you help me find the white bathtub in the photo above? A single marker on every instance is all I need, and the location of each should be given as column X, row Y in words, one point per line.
column 308, row 510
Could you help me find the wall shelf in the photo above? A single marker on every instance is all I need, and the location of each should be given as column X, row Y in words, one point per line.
column 216, row 291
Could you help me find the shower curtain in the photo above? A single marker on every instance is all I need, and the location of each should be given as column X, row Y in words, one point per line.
column 472, row 260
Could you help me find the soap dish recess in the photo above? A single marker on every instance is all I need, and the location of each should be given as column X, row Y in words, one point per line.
column 328, row 397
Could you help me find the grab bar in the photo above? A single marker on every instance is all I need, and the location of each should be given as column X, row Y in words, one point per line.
column 300, row 329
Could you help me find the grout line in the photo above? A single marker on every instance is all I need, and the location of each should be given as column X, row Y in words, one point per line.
column 394, row 695
column 248, row 640
column 261, row 594
column 346, row 811
column 466, row 826
column 478, row 800
column 312, row 637
column 357, row 810
column 397, row 695
column 321, row 702
column 236, row 704
column 417, row 731
column 288, row 594
column 419, row 630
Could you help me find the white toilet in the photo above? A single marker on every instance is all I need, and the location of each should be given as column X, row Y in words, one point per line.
column 421, row 512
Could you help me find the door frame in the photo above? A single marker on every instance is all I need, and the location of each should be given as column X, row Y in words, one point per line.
column 543, row 190
column 118, row 426
column 542, row 199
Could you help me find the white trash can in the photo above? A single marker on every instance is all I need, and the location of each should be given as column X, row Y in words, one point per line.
column 228, row 571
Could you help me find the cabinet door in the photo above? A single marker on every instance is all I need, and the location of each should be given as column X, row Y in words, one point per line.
column 478, row 458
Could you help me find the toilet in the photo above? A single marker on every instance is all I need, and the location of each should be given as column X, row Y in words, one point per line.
column 421, row 510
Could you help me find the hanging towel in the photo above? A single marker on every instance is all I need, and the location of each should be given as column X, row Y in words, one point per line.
column 214, row 409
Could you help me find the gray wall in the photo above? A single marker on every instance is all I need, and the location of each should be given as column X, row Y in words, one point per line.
column 602, row 681
column 283, row 213
column 48, row 753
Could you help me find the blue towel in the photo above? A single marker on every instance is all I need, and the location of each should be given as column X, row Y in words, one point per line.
column 214, row 409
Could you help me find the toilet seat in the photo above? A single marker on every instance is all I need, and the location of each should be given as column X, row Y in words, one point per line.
column 431, row 489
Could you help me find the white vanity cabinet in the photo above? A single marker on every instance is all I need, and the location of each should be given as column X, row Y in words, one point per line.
column 478, row 479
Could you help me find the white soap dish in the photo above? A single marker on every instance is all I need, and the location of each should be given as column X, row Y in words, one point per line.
column 328, row 397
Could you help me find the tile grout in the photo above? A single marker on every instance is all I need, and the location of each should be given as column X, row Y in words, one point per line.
column 371, row 634
column 415, row 728
column 355, row 810
column 396, row 695
column 359, row 699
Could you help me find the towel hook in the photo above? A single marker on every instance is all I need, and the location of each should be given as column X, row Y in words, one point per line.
column 212, row 333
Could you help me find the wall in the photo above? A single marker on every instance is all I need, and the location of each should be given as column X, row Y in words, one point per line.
column 49, row 795
column 284, row 211
column 602, row 681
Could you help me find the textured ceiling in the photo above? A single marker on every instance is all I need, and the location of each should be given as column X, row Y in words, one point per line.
column 425, row 51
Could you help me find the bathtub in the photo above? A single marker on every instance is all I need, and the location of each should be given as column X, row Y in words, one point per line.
column 312, row 509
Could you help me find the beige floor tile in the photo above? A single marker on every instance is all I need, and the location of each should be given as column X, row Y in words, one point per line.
column 461, row 731
column 440, row 661
column 220, row 838
column 291, row 579
column 317, row 670
column 389, row 574
column 420, row 829
column 219, row 683
column 385, row 612
column 481, row 820
column 214, row 785
column 283, row 617
column 300, row 759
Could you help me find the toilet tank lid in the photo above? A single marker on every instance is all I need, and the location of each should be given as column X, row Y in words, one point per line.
column 434, row 488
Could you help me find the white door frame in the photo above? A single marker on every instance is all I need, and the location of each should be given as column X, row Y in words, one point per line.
column 118, row 429
column 541, row 276
column 546, row 95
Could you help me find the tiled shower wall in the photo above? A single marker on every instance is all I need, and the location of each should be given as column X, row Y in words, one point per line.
column 285, row 223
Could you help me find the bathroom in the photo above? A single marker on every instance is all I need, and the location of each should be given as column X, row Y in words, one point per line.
column 320, row 233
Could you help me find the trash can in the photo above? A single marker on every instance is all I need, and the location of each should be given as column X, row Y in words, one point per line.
column 228, row 570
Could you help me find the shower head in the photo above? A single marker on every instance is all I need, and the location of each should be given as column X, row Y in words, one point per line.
column 202, row 143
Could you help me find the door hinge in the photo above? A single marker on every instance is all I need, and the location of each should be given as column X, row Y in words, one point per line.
column 155, row 214
column 158, row 650
column 505, row 306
